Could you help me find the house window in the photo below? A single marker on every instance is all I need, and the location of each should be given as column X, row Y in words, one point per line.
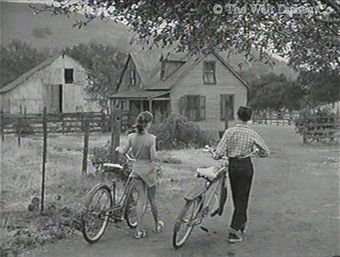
column 209, row 76
column 227, row 107
column 193, row 107
column 132, row 77
column 68, row 76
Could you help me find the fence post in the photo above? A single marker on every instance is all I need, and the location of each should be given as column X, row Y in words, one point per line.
column 103, row 120
column 115, row 134
column 62, row 124
column 18, row 131
column 44, row 159
column 2, row 125
column 86, row 146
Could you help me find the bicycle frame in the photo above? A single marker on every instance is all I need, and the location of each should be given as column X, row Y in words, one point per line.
column 213, row 188
column 120, row 205
column 122, row 200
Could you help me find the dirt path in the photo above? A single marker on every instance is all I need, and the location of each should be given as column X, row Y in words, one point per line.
column 293, row 210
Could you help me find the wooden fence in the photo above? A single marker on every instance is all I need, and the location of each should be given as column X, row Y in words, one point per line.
column 317, row 127
column 274, row 118
column 57, row 122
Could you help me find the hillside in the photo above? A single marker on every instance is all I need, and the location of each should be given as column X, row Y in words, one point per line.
column 56, row 32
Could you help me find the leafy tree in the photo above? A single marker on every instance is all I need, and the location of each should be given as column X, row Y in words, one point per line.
column 16, row 58
column 104, row 65
column 275, row 92
column 304, row 31
column 322, row 87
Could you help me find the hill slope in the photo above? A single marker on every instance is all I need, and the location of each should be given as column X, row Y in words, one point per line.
column 56, row 32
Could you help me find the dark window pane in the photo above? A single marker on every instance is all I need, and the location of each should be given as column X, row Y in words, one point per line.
column 209, row 76
column 68, row 76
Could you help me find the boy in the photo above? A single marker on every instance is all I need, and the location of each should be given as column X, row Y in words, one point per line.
column 239, row 144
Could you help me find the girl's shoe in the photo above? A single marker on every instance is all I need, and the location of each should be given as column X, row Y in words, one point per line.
column 159, row 227
column 139, row 234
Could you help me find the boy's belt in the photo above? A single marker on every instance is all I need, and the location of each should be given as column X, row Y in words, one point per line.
column 239, row 158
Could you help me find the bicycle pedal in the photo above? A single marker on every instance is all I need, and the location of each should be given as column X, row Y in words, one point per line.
column 205, row 229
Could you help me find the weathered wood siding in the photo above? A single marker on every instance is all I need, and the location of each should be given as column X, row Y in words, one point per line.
column 226, row 83
column 32, row 94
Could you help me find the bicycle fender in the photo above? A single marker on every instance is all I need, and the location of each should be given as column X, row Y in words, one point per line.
column 196, row 192
column 93, row 189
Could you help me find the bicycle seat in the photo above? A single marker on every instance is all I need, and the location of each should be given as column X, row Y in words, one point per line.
column 209, row 173
column 113, row 166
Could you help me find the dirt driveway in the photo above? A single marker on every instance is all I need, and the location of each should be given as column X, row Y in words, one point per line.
column 294, row 209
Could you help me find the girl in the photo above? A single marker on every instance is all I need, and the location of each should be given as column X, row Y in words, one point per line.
column 143, row 148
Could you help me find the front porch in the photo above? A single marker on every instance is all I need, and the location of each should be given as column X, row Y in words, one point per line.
column 158, row 103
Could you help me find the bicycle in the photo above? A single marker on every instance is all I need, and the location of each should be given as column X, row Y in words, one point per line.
column 102, row 207
column 199, row 202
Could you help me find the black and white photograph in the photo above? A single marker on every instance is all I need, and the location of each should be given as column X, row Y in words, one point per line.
column 170, row 128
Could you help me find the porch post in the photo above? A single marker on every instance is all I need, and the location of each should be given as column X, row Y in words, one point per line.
column 150, row 106
column 141, row 105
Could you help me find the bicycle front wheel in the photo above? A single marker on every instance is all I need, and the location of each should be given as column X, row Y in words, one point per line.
column 185, row 222
column 131, row 206
column 96, row 216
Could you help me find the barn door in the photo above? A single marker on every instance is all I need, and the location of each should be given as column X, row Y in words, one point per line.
column 53, row 99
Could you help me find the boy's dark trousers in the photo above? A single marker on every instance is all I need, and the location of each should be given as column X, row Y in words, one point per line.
column 241, row 175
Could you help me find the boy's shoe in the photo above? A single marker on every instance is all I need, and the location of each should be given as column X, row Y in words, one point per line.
column 233, row 238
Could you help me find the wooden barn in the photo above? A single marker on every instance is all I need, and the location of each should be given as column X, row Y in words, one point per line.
column 205, row 89
column 57, row 83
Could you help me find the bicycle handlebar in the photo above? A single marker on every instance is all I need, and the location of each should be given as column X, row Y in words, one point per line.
column 129, row 158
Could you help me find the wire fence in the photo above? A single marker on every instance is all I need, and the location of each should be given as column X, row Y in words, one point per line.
column 27, row 167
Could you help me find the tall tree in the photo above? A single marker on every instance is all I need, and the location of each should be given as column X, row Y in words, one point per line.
column 275, row 92
column 16, row 58
column 304, row 31
column 104, row 65
column 322, row 87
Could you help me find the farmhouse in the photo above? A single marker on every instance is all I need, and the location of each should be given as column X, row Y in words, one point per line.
column 57, row 83
column 205, row 88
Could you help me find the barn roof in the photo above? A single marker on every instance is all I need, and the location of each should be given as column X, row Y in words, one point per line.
column 29, row 73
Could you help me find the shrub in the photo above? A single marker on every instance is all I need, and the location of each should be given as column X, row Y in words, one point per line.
column 177, row 132
column 24, row 127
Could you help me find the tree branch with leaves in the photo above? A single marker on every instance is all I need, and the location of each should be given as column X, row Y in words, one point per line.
column 305, row 32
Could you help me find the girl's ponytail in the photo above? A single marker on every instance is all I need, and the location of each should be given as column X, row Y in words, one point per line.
column 142, row 121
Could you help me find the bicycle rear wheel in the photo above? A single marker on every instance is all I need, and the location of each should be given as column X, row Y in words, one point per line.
column 185, row 222
column 96, row 216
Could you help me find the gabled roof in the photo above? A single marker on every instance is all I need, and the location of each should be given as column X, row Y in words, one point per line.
column 157, row 84
column 145, row 64
column 148, row 67
column 228, row 65
column 30, row 73
column 139, row 94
